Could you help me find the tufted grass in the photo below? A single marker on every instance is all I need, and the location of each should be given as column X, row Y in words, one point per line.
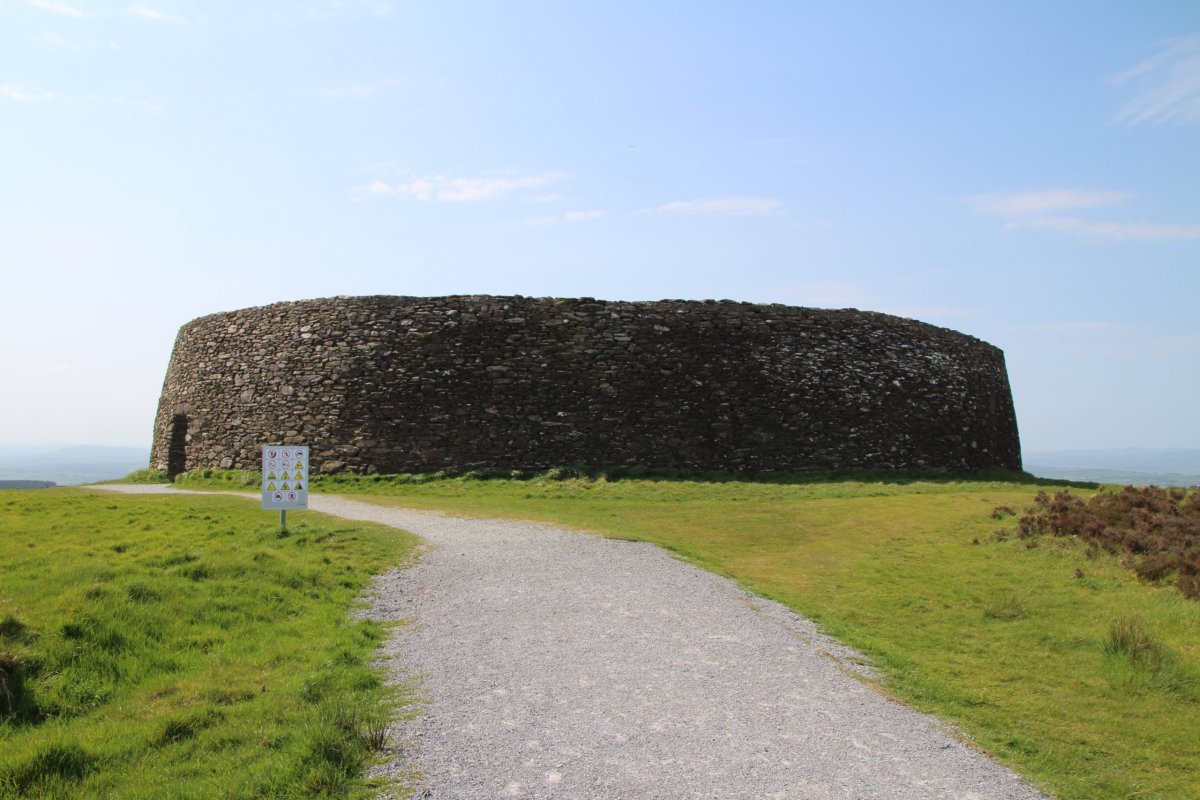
column 166, row 646
column 1057, row 661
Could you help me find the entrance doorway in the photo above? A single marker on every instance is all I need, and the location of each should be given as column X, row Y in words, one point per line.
column 177, row 449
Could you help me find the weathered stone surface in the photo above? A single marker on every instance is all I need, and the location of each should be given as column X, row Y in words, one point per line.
column 390, row 384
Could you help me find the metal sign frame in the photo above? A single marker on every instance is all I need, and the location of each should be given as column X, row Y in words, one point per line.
column 284, row 476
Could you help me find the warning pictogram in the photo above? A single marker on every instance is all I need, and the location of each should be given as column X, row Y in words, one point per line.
column 284, row 484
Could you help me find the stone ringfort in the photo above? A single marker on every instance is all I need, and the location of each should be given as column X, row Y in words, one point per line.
column 403, row 384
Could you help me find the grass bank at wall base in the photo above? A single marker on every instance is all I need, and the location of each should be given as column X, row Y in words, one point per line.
column 168, row 646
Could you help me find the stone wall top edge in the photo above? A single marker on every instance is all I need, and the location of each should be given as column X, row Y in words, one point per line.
column 366, row 302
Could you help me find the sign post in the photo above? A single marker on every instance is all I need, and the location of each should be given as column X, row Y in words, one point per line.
column 284, row 479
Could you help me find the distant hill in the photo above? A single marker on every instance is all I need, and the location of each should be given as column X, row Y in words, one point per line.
column 26, row 484
column 1132, row 466
column 70, row 465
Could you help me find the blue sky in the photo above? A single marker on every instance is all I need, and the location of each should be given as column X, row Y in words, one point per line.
column 1028, row 173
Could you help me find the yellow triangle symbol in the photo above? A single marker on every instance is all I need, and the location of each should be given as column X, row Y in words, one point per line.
column 271, row 477
column 299, row 465
column 270, row 487
column 298, row 487
column 284, row 487
column 298, row 475
column 285, row 477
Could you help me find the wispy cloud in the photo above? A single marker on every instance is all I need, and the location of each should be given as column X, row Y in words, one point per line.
column 570, row 216
column 583, row 216
column 58, row 7
column 1042, row 201
column 24, row 95
column 730, row 204
column 352, row 92
column 459, row 190
column 1036, row 210
column 154, row 15
column 55, row 42
column 1110, row 231
column 326, row 8
column 1167, row 84
column 1077, row 327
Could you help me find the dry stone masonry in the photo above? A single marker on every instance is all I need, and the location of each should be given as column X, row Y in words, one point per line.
column 403, row 384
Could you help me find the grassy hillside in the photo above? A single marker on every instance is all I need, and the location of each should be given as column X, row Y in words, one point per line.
column 1055, row 659
column 164, row 646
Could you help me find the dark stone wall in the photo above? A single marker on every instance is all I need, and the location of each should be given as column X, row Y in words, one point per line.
column 392, row 384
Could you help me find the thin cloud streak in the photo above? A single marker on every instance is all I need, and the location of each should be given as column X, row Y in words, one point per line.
column 154, row 15
column 1034, row 210
column 58, row 7
column 459, row 190
column 1083, row 327
column 583, row 216
column 1042, row 201
column 355, row 92
column 570, row 216
column 1109, row 231
column 731, row 204
column 54, row 42
column 24, row 95
column 1168, row 84
column 329, row 8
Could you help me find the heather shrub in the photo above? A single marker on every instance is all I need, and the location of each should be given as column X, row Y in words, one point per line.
column 1156, row 531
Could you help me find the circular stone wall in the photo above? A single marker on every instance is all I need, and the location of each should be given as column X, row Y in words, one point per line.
column 399, row 384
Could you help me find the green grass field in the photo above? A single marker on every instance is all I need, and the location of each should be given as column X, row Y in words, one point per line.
column 166, row 646
column 1027, row 648
column 1056, row 660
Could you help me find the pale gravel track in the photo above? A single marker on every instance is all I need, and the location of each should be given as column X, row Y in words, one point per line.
column 558, row 664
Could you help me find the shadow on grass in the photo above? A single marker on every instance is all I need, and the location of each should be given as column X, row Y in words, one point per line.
column 244, row 479
column 666, row 474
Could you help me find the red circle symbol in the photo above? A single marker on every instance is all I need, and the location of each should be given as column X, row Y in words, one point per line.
column 291, row 495
column 279, row 497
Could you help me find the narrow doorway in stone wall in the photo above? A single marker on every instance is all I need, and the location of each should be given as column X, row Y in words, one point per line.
column 177, row 450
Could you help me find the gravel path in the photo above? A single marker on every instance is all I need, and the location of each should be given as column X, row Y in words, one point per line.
column 557, row 664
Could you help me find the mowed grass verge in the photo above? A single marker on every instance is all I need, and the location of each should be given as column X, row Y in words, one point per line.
column 1058, row 662
column 180, row 646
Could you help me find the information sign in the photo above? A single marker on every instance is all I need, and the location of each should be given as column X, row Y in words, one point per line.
column 284, row 476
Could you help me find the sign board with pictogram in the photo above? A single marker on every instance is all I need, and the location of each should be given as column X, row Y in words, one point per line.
column 284, row 476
